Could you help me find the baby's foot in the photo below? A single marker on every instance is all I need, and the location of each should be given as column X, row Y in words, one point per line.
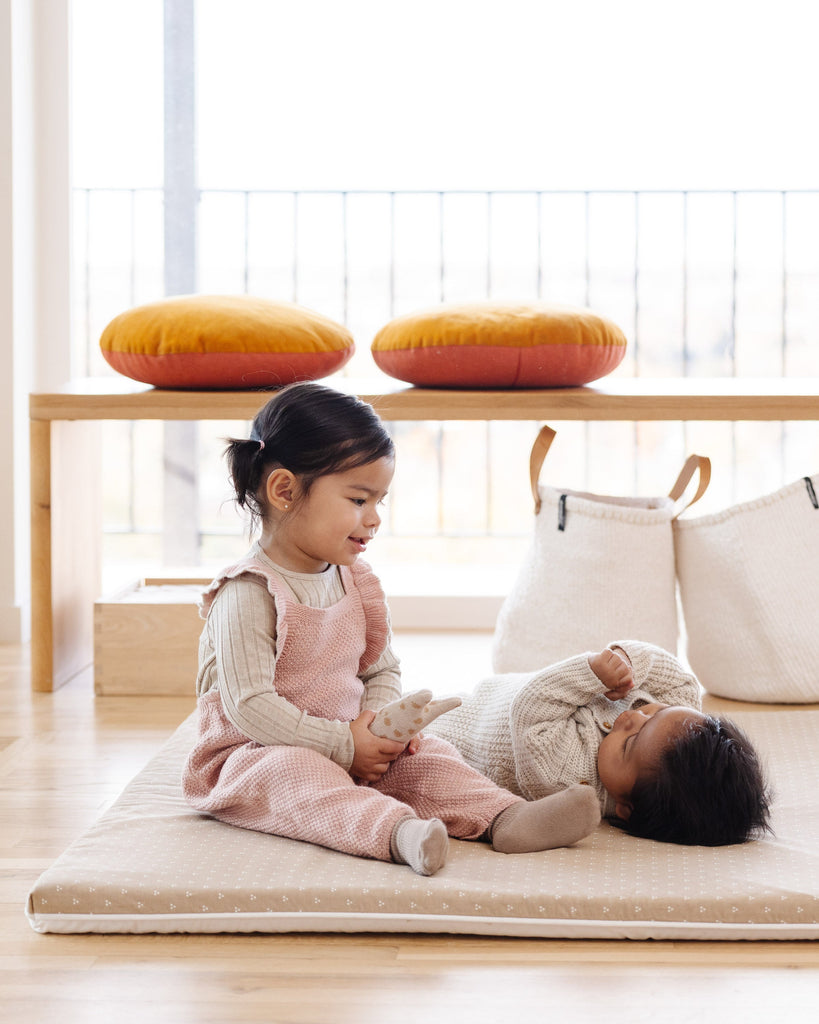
column 560, row 819
column 403, row 718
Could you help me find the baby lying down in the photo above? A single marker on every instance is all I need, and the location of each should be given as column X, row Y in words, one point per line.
column 626, row 721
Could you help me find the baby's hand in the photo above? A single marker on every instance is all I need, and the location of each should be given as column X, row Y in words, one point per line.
column 614, row 672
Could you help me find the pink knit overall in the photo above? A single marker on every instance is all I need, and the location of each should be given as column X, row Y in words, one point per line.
column 298, row 793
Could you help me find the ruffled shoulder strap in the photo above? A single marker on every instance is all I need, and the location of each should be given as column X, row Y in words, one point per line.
column 376, row 613
column 250, row 564
column 247, row 564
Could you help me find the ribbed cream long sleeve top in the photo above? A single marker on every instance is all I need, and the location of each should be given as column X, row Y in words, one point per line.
column 237, row 654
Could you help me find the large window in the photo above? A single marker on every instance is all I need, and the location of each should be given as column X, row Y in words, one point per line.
column 367, row 159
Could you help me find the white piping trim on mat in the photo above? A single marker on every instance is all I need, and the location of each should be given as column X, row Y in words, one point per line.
column 516, row 927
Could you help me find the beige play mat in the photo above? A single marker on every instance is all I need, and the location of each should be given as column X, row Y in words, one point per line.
column 151, row 864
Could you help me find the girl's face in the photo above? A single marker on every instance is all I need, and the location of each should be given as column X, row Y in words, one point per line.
column 335, row 521
column 635, row 744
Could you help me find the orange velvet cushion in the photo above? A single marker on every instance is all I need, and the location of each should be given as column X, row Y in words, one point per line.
column 224, row 341
column 493, row 345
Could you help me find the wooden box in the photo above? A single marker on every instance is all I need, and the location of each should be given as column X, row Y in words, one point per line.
column 146, row 639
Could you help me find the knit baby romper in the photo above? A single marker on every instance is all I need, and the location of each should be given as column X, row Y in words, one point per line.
column 299, row 793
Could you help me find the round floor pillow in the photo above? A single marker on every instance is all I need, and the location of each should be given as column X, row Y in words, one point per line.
column 499, row 345
column 224, row 341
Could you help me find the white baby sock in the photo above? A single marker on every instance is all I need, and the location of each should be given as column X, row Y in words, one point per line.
column 422, row 844
column 559, row 819
column 403, row 718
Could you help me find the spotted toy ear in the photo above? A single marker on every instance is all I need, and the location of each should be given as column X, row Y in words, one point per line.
column 403, row 718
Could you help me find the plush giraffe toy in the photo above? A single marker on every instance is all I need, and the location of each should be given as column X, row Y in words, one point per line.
column 403, row 718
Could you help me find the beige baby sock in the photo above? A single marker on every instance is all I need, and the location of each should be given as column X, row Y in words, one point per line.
column 423, row 844
column 559, row 819
column 403, row 718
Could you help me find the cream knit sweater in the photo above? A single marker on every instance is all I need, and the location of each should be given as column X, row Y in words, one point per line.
column 537, row 732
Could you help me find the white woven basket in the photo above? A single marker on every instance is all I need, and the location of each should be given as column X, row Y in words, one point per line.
column 599, row 568
column 749, row 586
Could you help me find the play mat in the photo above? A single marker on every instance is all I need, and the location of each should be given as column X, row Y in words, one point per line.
column 152, row 864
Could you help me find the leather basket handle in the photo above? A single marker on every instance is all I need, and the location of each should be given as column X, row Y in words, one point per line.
column 692, row 464
column 543, row 442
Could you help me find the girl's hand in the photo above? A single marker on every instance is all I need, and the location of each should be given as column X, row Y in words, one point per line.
column 614, row 672
column 373, row 754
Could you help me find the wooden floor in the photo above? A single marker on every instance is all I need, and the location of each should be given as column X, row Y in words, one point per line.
column 65, row 756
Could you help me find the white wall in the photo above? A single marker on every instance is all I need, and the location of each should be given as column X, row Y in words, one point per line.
column 34, row 263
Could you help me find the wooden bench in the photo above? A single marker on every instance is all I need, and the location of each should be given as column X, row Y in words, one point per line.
column 65, row 470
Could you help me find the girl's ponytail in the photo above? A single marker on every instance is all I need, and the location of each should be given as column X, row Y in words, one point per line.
column 245, row 460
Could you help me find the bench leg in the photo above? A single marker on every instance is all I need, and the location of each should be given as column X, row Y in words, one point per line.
column 65, row 548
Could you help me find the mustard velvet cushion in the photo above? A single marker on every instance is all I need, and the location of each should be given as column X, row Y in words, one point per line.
column 491, row 345
column 224, row 341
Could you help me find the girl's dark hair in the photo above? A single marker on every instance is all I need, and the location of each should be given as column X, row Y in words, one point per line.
column 311, row 430
column 707, row 790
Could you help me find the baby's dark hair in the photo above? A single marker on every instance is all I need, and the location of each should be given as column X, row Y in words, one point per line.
column 708, row 789
column 311, row 430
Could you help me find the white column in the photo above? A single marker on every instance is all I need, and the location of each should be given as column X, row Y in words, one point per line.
column 52, row 228
column 180, row 540
column 34, row 263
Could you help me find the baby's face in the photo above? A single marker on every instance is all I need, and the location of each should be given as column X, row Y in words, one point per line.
column 635, row 743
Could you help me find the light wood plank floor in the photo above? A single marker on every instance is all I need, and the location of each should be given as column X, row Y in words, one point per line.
column 65, row 756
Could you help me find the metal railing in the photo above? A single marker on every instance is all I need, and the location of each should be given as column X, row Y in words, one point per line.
column 704, row 283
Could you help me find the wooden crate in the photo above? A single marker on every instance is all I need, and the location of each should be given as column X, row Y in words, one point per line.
column 146, row 639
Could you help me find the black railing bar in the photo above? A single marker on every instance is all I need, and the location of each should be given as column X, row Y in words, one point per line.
column 734, row 283
column 87, row 282
column 686, row 354
column 587, row 302
column 132, row 267
column 481, row 191
column 392, row 255
column 487, row 475
column 132, row 473
column 131, row 428
column 246, row 245
column 489, row 215
column 345, row 267
column 149, row 531
column 539, row 214
column 295, row 245
column 635, row 433
column 122, row 189
column 783, row 363
column 734, row 276
column 390, row 505
column 441, row 254
column 636, row 283
column 784, row 312
column 439, row 459
column 587, row 244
